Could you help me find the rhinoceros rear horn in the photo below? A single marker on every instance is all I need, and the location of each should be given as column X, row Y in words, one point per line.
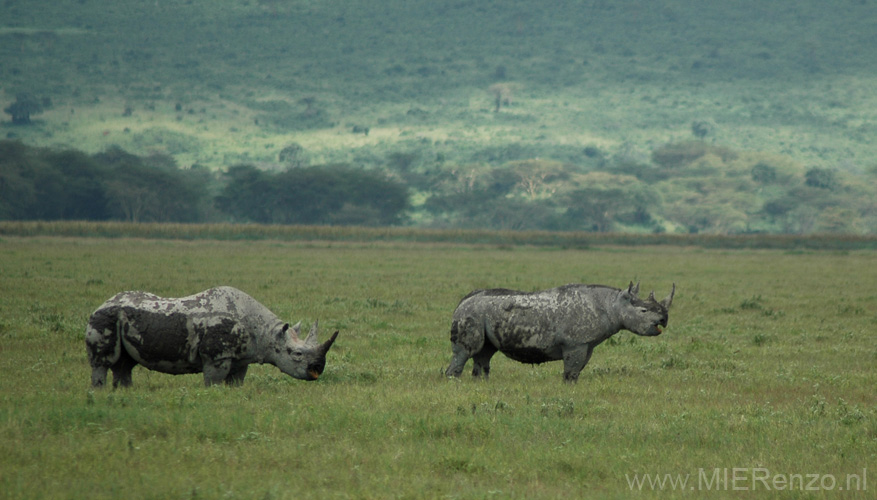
column 312, row 335
column 669, row 299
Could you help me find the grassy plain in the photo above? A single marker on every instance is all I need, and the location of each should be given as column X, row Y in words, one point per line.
column 767, row 366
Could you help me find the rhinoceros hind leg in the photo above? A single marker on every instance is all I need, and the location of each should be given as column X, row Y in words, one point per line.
column 122, row 370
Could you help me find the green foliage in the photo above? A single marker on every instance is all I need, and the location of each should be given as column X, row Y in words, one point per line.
column 138, row 193
column 83, row 196
column 293, row 156
column 247, row 194
column 237, row 88
column 18, row 173
column 45, row 184
column 718, row 389
column 330, row 194
column 764, row 173
column 821, row 178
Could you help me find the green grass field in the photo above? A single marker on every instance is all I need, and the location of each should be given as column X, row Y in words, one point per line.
column 765, row 374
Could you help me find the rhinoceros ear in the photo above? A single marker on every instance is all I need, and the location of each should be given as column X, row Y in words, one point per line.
column 633, row 289
column 294, row 332
column 666, row 301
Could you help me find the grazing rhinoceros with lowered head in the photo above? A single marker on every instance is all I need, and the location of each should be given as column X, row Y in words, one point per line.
column 565, row 323
column 219, row 332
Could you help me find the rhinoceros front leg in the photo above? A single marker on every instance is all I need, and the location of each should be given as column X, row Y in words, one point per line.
column 216, row 371
column 99, row 376
column 467, row 339
column 103, row 347
column 574, row 361
column 236, row 375
column 481, row 361
column 458, row 361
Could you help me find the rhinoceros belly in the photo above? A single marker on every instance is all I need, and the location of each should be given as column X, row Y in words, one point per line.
column 530, row 355
column 161, row 341
column 526, row 340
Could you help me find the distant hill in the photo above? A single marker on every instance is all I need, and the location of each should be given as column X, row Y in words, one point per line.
column 468, row 92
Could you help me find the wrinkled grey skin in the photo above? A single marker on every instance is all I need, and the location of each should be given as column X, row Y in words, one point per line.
column 565, row 323
column 219, row 332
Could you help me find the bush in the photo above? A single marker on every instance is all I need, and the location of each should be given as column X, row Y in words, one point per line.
column 763, row 173
column 821, row 178
column 293, row 156
column 703, row 128
column 329, row 194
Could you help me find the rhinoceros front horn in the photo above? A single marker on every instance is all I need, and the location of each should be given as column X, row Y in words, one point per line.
column 666, row 301
column 324, row 347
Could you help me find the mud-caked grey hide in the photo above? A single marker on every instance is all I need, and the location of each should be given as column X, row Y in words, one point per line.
column 219, row 332
column 564, row 323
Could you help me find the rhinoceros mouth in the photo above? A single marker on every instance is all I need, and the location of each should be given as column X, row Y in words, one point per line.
column 313, row 374
column 655, row 330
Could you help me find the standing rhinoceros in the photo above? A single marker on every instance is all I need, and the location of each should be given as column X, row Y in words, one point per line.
column 219, row 332
column 565, row 323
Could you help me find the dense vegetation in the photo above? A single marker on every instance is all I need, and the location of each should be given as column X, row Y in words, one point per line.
column 675, row 116
column 767, row 366
column 40, row 184
column 689, row 187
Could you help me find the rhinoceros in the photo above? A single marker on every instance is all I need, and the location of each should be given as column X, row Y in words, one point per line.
column 566, row 323
column 219, row 332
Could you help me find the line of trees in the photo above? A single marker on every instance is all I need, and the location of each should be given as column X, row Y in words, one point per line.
column 329, row 194
column 687, row 187
column 48, row 184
